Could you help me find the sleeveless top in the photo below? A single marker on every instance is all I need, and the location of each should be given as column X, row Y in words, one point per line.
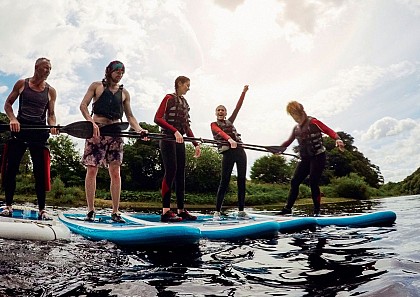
column 309, row 137
column 109, row 105
column 177, row 114
column 33, row 106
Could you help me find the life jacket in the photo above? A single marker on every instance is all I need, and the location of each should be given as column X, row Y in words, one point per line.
column 109, row 105
column 309, row 137
column 177, row 114
column 227, row 127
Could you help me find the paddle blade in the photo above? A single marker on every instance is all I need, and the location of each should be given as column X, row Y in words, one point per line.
column 82, row 129
column 275, row 149
column 115, row 128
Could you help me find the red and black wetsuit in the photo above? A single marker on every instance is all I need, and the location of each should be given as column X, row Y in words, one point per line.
column 33, row 107
column 223, row 130
column 172, row 116
column 313, row 158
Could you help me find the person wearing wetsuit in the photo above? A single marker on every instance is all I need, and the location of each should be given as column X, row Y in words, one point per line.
column 36, row 107
column 110, row 102
column 224, row 130
column 308, row 133
column 173, row 118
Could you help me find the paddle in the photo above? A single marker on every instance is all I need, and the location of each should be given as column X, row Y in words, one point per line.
column 115, row 128
column 81, row 129
column 261, row 148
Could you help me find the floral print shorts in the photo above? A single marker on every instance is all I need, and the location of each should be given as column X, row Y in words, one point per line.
column 102, row 150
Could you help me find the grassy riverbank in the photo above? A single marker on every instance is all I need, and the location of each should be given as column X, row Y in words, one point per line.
column 155, row 205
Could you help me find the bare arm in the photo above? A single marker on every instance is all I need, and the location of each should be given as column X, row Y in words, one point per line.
column 51, row 120
column 90, row 94
column 14, row 94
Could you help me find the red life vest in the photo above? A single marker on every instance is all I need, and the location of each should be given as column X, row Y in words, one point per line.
column 177, row 114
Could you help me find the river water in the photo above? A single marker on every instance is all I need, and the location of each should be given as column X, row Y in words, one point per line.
column 331, row 261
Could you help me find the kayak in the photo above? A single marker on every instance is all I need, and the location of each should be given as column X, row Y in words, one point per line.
column 229, row 227
column 24, row 225
column 131, row 233
column 378, row 218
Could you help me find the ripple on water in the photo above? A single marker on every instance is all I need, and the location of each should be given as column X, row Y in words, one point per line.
column 332, row 261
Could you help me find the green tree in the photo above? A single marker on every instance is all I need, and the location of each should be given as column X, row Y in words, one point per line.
column 142, row 165
column 202, row 174
column 271, row 169
column 65, row 161
column 350, row 161
column 339, row 164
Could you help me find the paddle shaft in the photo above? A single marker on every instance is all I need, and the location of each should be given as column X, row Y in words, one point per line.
column 158, row 136
column 82, row 129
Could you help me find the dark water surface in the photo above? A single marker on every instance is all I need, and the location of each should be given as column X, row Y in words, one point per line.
column 332, row 261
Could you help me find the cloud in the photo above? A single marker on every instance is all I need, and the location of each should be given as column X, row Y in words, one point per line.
column 412, row 5
column 388, row 126
column 302, row 19
column 355, row 82
column 397, row 152
column 229, row 4
column 3, row 89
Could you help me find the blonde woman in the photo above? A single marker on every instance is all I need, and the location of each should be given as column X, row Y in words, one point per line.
column 308, row 133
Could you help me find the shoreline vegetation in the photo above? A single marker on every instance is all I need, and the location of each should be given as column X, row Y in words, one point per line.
column 153, row 205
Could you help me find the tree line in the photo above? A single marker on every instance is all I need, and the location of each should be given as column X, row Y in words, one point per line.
column 142, row 168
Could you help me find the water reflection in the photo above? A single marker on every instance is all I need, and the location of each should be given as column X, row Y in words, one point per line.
column 332, row 261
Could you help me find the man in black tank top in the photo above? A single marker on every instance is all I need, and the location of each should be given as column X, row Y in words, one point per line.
column 36, row 107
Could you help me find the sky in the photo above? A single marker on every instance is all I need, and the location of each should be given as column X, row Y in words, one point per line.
column 354, row 65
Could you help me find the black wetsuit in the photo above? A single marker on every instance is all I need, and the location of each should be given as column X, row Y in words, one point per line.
column 33, row 106
column 172, row 116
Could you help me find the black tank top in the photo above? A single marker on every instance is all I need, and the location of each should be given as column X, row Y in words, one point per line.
column 33, row 108
column 33, row 105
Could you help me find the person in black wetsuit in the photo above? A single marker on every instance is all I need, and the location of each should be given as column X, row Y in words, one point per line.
column 173, row 118
column 36, row 107
column 110, row 102
column 224, row 130
column 308, row 133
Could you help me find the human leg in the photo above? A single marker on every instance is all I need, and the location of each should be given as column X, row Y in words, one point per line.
column 316, row 169
column 38, row 157
column 93, row 157
column 180, row 176
column 90, row 187
column 227, row 167
column 301, row 172
column 241, row 161
column 115, row 186
column 168, row 153
column 15, row 152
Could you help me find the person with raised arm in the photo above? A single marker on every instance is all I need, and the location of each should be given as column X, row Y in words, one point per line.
column 224, row 130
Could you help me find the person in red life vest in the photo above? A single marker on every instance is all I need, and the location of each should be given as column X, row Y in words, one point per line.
column 224, row 130
column 110, row 102
column 36, row 107
column 308, row 133
column 174, row 119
